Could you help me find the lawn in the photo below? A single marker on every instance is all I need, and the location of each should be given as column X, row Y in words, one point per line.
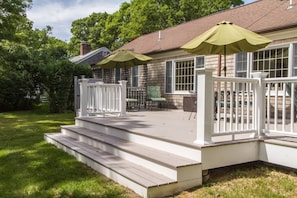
column 30, row 167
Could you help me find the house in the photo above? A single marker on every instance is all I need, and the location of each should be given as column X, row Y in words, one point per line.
column 90, row 57
column 275, row 19
column 160, row 153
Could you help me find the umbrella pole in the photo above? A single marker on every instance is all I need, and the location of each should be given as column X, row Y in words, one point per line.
column 225, row 68
column 219, row 65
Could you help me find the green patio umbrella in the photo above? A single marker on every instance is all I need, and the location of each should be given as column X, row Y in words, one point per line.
column 123, row 59
column 226, row 38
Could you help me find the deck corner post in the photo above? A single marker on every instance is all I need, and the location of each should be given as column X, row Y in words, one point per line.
column 83, row 97
column 123, row 84
column 260, row 93
column 204, row 106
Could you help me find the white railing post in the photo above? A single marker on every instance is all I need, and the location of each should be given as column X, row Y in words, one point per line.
column 83, row 97
column 123, row 84
column 205, row 106
column 260, row 92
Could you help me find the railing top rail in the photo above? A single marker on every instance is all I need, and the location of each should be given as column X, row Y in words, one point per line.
column 236, row 79
column 284, row 80
column 102, row 85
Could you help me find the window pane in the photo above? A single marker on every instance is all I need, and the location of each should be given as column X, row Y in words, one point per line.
column 168, row 86
column 134, row 76
column 200, row 62
column 241, row 64
column 117, row 75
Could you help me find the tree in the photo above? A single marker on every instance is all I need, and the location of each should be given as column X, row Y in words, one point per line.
column 12, row 14
column 58, row 80
column 87, row 29
column 141, row 17
column 147, row 16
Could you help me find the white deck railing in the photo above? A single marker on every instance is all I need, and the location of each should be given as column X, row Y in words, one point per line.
column 281, row 105
column 232, row 106
column 234, row 109
column 100, row 98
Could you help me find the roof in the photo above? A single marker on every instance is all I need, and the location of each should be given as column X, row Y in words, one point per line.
column 92, row 57
column 261, row 16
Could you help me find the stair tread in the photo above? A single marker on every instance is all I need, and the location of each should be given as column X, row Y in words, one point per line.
column 285, row 141
column 137, row 173
column 164, row 157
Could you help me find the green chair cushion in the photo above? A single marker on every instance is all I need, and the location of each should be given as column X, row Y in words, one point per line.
column 158, row 99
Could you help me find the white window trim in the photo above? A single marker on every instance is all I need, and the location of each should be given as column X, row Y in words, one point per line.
column 174, row 72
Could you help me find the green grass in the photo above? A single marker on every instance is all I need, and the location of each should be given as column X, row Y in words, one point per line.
column 30, row 167
column 256, row 180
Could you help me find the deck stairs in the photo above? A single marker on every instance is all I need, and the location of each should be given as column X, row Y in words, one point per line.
column 149, row 166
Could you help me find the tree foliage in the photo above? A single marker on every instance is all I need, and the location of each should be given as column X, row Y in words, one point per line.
column 32, row 63
column 140, row 17
column 12, row 14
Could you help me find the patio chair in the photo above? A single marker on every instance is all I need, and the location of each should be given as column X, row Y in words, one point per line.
column 132, row 99
column 154, row 96
column 221, row 104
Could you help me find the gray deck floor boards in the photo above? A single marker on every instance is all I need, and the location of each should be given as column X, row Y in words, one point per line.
column 127, row 169
column 172, row 125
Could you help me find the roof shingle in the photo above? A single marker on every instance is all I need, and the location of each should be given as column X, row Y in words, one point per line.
column 260, row 16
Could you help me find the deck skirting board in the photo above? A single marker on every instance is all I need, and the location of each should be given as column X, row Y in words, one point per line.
column 279, row 154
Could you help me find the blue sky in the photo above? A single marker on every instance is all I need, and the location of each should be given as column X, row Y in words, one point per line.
column 59, row 14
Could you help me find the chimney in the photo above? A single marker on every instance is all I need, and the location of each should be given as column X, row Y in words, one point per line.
column 85, row 48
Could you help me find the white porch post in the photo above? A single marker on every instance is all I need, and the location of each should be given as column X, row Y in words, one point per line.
column 205, row 97
column 123, row 84
column 260, row 102
column 83, row 97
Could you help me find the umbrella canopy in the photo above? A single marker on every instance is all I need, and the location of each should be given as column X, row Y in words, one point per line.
column 226, row 38
column 123, row 59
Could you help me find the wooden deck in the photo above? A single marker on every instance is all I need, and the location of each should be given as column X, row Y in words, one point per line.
column 154, row 154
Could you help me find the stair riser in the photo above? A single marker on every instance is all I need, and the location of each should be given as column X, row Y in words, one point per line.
column 159, row 168
column 177, row 149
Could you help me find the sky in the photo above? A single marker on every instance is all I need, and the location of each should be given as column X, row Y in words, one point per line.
column 59, row 14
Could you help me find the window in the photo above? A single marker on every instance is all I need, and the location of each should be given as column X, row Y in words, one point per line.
column 117, row 75
column 272, row 61
column 134, row 76
column 184, row 75
column 241, row 64
column 180, row 74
